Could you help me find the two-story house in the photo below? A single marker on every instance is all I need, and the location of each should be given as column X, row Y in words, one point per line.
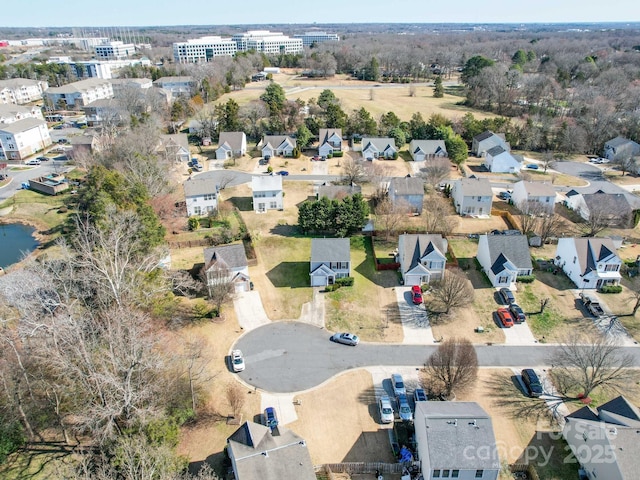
column 486, row 141
column 330, row 141
column 539, row 197
column 614, row 209
column 590, row 263
column 422, row 150
column 231, row 145
column 227, row 263
column 201, row 196
column 408, row 191
column 499, row 160
column 267, row 192
column 619, row 148
column 422, row 258
column 330, row 259
column 472, row 196
column 384, row 147
column 504, row 258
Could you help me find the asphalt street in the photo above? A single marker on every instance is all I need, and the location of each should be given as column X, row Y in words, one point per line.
column 287, row 357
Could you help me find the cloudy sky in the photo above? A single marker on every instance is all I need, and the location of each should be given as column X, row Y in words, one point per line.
column 40, row 13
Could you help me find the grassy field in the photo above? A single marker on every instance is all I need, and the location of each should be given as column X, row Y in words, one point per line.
column 43, row 211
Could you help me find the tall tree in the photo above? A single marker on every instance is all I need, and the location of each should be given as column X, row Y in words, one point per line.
column 438, row 88
column 275, row 98
column 453, row 367
column 228, row 116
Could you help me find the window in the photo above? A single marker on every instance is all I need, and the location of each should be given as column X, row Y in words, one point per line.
column 273, row 205
column 196, row 210
column 611, row 268
column 436, row 474
column 574, row 259
column 455, row 473
column 479, row 473
column 445, row 473
column 503, row 279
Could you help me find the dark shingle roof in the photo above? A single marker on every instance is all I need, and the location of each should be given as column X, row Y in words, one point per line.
column 483, row 136
column 330, row 250
column 495, row 151
column 416, row 246
column 514, row 247
column 230, row 256
column 621, row 406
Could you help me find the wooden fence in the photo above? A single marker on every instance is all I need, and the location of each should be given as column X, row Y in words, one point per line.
column 364, row 467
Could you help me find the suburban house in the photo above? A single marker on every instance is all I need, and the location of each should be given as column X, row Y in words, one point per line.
column 611, row 428
column 277, row 145
column 589, row 262
column 456, row 440
column 333, row 192
column 20, row 91
column 10, row 112
column 225, row 263
column 504, row 258
column 422, row 258
column 540, row 195
column 330, row 141
column 259, row 453
column 201, row 196
column 472, row 196
column 616, row 209
column 379, row 148
column 330, row 259
column 104, row 110
column 175, row 147
column 79, row 94
column 23, row 138
column 267, row 192
column 421, row 150
column 231, row 145
column 486, row 141
column 175, row 85
column 408, row 191
column 51, row 184
column 499, row 160
column 621, row 148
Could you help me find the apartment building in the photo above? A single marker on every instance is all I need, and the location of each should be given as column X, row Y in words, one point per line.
column 115, row 50
column 10, row 113
column 310, row 38
column 20, row 139
column 79, row 94
column 21, row 90
column 203, row 49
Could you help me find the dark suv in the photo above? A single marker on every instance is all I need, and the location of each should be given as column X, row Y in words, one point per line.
column 507, row 296
column 532, row 382
column 518, row 314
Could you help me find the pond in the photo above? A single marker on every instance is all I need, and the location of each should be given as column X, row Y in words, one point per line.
column 16, row 240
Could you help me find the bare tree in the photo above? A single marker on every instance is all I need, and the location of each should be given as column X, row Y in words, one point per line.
column 634, row 288
column 529, row 213
column 376, row 174
column 235, row 397
column 352, row 171
column 437, row 217
column 452, row 367
column 584, row 363
column 219, row 284
column 549, row 226
column 390, row 215
column 547, row 160
column 602, row 214
column 453, row 291
column 626, row 163
column 195, row 365
column 435, row 171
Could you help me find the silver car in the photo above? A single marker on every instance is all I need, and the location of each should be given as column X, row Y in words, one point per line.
column 398, row 385
column 346, row 339
column 237, row 361
column 386, row 410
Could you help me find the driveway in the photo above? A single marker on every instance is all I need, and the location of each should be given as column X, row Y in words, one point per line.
column 415, row 321
column 286, row 357
column 519, row 334
column 249, row 310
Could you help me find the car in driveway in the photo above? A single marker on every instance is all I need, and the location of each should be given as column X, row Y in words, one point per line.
column 533, row 166
column 237, row 361
column 532, row 382
column 504, row 195
column 385, row 409
column 315, row 158
column 398, row 385
column 404, row 410
column 346, row 339
column 517, row 313
column 416, row 295
column 284, row 173
column 270, row 418
column 507, row 296
column 419, row 395
column 505, row 317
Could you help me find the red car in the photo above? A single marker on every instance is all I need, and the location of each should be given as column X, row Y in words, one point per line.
column 505, row 317
column 416, row 294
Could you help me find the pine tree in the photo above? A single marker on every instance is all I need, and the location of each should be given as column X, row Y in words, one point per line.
column 438, row 90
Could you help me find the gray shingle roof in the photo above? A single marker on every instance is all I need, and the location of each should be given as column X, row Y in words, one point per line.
column 13, row 83
column 514, row 247
column 406, row 186
column 196, row 187
column 473, row 187
column 380, row 143
column 538, row 189
column 416, row 246
column 330, row 250
column 22, row 125
column 616, row 142
column 80, row 86
column 429, row 147
column 326, row 133
column 277, row 140
column 230, row 256
column 233, row 139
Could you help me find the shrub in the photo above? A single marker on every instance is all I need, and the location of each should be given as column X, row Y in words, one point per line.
column 338, row 153
column 11, row 438
column 345, row 281
column 611, row 289
column 526, row 278
column 332, row 288
column 194, row 223
column 395, row 155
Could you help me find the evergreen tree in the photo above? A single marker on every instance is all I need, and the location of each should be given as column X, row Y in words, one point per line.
column 438, row 89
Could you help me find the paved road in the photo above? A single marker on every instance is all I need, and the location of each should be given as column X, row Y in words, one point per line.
column 284, row 357
column 18, row 177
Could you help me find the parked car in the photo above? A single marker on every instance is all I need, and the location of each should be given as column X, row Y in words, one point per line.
column 267, row 158
column 197, row 167
column 346, row 339
column 419, row 395
column 406, row 415
column 507, row 296
column 532, row 382
column 284, row 173
column 33, row 161
column 270, row 417
column 43, row 159
column 398, row 385
column 315, row 158
column 533, row 166
column 504, row 196
column 237, row 361
column 517, row 312
column 416, row 294
column 386, row 410
column 505, row 317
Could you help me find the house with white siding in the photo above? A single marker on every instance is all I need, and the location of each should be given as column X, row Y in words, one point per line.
column 277, row 145
column 10, row 112
column 379, row 148
column 330, row 141
column 20, row 91
column 267, row 193
column 499, row 160
column 79, row 94
column 201, row 196
column 421, row 150
column 422, row 258
column 590, row 263
column 486, row 141
column 23, row 138
column 227, row 263
column 539, row 195
column 504, row 258
column 408, row 191
column 330, row 260
column 231, row 145
column 472, row 196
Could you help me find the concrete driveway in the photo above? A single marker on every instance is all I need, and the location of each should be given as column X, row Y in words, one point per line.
column 415, row 320
column 519, row 334
column 249, row 310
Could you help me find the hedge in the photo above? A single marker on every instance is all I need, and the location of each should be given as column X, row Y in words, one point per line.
column 611, row 289
column 338, row 153
column 526, row 278
column 345, row 281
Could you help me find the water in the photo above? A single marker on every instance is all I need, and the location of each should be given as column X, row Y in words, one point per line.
column 15, row 240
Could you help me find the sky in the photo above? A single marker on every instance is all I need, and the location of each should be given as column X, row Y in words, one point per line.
column 61, row 13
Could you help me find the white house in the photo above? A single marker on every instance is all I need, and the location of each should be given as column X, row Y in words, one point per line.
column 590, row 263
column 23, row 138
column 384, row 147
column 267, row 193
column 78, row 94
column 422, row 258
column 619, row 148
column 330, row 141
column 330, row 260
column 408, row 191
column 225, row 263
column 107, row 110
column 472, row 196
column 486, row 141
column 20, row 91
column 611, row 429
column 231, row 145
column 421, row 150
column 277, row 145
column 536, row 194
column 174, row 147
column 616, row 209
column 175, row 85
column 10, row 112
column 456, row 440
column 201, row 196
column 504, row 258
column 499, row 160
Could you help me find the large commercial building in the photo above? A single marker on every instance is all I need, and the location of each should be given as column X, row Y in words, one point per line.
column 203, row 49
column 309, row 38
column 267, row 42
column 114, row 50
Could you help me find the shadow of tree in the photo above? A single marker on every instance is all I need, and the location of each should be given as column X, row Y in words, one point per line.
column 290, row 274
column 287, row 231
column 244, row 204
column 367, row 268
column 371, row 447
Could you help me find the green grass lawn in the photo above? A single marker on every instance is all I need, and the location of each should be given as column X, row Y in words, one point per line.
column 41, row 209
